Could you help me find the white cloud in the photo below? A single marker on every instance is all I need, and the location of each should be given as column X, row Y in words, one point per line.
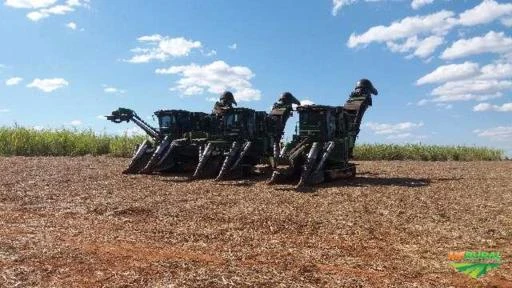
column 501, row 133
column 44, row 11
column 496, row 71
column 507, row 107
column 45, row 8
column 507, row 22
column 157, row 47
column 4, row 110
column 449, row 73
column 306, row 102
column 437, row 23
column 422, row 102
column 233, row 46
column 408, row 30
column 101, row 117
column 193, row 90
column 36, row 16
column 427, row 46
column 48, row 85
column 389, row 129
column 47, row 12
column 178, row 46
column 13, row 81
column 75, row 123
column 485, row 12
column 113, row 90
column 492, row 42
column 466, row 81
column 417, row 4
column 422, row 48
column 215, row 77
column 444, row 105
column 71, row 25
column 465, row 97
column 78, row 3
column 29, row 4
column 471, row 89
column 150, row 38
column 210, row 53
column 338, row 4
column 303, row 102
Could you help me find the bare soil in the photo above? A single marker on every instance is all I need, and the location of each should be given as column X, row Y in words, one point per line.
column 78, row 222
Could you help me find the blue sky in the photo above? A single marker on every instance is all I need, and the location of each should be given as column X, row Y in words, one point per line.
column 443, row 68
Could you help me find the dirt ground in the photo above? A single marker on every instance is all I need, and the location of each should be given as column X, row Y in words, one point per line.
column 77, row 222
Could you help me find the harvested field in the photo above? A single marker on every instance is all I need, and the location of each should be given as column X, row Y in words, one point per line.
column 78, row 222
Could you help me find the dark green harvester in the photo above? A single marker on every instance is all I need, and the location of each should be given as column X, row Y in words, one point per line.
column 242, row 138
column 324, row 141
column 230, row 141
column 167, row 149
column 319, row 150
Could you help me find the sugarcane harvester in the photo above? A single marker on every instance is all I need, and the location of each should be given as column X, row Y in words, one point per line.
column 324, row 140
column 154, row 154
column 243, row 138
column 177, row 152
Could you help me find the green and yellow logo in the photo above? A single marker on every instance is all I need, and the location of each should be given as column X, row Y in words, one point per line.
column 475, row 263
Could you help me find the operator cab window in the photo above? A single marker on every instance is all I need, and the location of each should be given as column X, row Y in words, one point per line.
column 167, row 121
column 231, row 120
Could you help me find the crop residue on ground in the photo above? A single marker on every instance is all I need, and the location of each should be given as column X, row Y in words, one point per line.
column 79, row 222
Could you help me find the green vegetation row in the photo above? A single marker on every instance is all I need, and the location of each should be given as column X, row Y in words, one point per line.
column 19, row 141
column 421, row 152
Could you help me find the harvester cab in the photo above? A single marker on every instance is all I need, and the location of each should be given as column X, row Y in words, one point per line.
column 317, row 123
column 180, row 122
column 238, row 123
column 172, row 122
column 319, row 149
